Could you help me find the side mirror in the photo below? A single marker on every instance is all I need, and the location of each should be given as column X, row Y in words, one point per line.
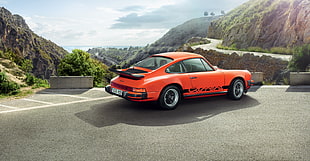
column 215, row 67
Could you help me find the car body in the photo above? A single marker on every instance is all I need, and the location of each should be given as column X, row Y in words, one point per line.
column 169, row 77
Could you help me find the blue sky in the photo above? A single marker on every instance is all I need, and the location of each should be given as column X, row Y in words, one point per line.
column 110, row 23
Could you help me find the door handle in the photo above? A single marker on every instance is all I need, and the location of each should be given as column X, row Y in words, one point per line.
column 193, row 77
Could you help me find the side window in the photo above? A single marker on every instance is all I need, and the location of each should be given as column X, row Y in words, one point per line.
column 176, row 68
column 206, row 65
column 194, row 65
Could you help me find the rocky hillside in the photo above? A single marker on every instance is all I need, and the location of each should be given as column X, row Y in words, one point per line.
column 172, row 40
column 265, row 24
column 179, row 35
column 18, row 42
column 275, row 70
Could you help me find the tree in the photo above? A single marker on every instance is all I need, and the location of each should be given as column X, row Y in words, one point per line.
column 79, row 63
column 301, row 58
column 223, row 12
column 212, row 14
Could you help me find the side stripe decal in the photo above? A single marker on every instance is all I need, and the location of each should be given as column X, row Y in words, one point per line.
column 205, row 94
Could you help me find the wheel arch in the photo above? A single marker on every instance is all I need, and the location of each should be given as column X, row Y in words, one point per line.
column 174, row 84
column 238, row 77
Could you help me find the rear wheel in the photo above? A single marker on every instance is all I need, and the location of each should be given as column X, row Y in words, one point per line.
column 169, row 98
column 236, row 89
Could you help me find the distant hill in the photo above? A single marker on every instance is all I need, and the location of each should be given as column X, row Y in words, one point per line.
column 265, row 24
column 171, row 41
column 179, row 35
column 18, row 42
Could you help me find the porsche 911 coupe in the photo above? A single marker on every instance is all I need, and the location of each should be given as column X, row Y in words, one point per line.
column 170, row 77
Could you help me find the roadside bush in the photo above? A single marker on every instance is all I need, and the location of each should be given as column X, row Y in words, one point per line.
column 301, row 58
column 257, row 49
column 281, row 50
column 31, row 80
column 7, row 87
column 79, row 63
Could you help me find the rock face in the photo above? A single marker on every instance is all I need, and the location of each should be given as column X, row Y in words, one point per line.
column 16, row 37
column 265, row 24
column 178, row 35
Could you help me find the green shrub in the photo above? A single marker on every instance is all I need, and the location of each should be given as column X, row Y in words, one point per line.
column 7, row 87
column 26, row 65
column 281, row 50
column 301, row 58
column 31, row 80
column 79, row 63
column 257, row 49
column 3, row 77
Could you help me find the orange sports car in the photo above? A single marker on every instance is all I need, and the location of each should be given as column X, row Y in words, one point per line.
column 169, row 77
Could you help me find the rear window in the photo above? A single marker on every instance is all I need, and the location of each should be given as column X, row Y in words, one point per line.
column 153, row 63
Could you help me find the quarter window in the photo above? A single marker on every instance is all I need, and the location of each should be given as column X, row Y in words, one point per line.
column 176, row 68
column 194, row 65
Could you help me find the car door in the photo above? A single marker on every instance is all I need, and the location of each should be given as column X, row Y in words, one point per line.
column 204, row 79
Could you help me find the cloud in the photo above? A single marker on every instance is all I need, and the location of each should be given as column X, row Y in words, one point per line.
column 132, row 8
column 168, row 16
column 109, row 23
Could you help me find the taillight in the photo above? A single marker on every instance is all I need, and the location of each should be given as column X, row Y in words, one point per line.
column 138, row 89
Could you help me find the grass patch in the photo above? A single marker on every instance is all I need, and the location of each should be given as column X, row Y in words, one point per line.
column 24, row 92
column 232, row 47
column 281, row 50
column 274, row 50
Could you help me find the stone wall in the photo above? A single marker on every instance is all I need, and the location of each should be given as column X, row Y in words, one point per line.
column 71, row 82
column 272, row 68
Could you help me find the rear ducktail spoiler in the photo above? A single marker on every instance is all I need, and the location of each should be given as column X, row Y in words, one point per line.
column 127, row 74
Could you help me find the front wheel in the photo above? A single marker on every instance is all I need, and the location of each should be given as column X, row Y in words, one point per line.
column 169, row 98
column 236, row 89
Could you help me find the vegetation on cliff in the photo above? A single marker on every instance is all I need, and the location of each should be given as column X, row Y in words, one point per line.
column 264, row 24
column 18, row 43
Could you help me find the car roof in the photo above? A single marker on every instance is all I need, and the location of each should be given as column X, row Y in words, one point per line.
column 179, row 55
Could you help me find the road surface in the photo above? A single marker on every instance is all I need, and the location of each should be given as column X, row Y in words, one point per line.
column 269, row 123
column 215, row 42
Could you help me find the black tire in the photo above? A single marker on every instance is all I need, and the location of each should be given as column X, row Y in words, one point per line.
column 236, row 89
column 169, row 98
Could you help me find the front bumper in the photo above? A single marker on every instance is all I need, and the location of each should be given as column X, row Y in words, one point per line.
column 127, row 95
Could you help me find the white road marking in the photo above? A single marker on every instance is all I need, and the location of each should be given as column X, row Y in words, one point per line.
column 10, row 107
column 43, row 102
column 66, row 95
column 57, row 104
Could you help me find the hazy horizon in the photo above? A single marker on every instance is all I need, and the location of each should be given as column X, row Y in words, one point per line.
column 110, row 23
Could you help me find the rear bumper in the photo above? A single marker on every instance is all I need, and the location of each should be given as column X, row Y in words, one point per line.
column 251, row 82
column 133, row 96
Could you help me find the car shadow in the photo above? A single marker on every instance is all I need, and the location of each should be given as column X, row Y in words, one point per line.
column 148, row 114
column 298, row 89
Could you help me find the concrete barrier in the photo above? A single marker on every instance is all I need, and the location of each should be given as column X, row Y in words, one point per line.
column 258, row 77
column 70, row 82
column 299, row 78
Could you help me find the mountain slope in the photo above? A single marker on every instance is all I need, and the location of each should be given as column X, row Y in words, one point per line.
column 265, row 24
column 19, row 42
column 171, row 41
column 179, row 35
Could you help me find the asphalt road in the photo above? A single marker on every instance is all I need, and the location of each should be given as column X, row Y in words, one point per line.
column 269, row 123
column 215, row 42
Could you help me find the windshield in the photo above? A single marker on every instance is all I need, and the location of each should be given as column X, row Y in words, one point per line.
column 153, row 62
